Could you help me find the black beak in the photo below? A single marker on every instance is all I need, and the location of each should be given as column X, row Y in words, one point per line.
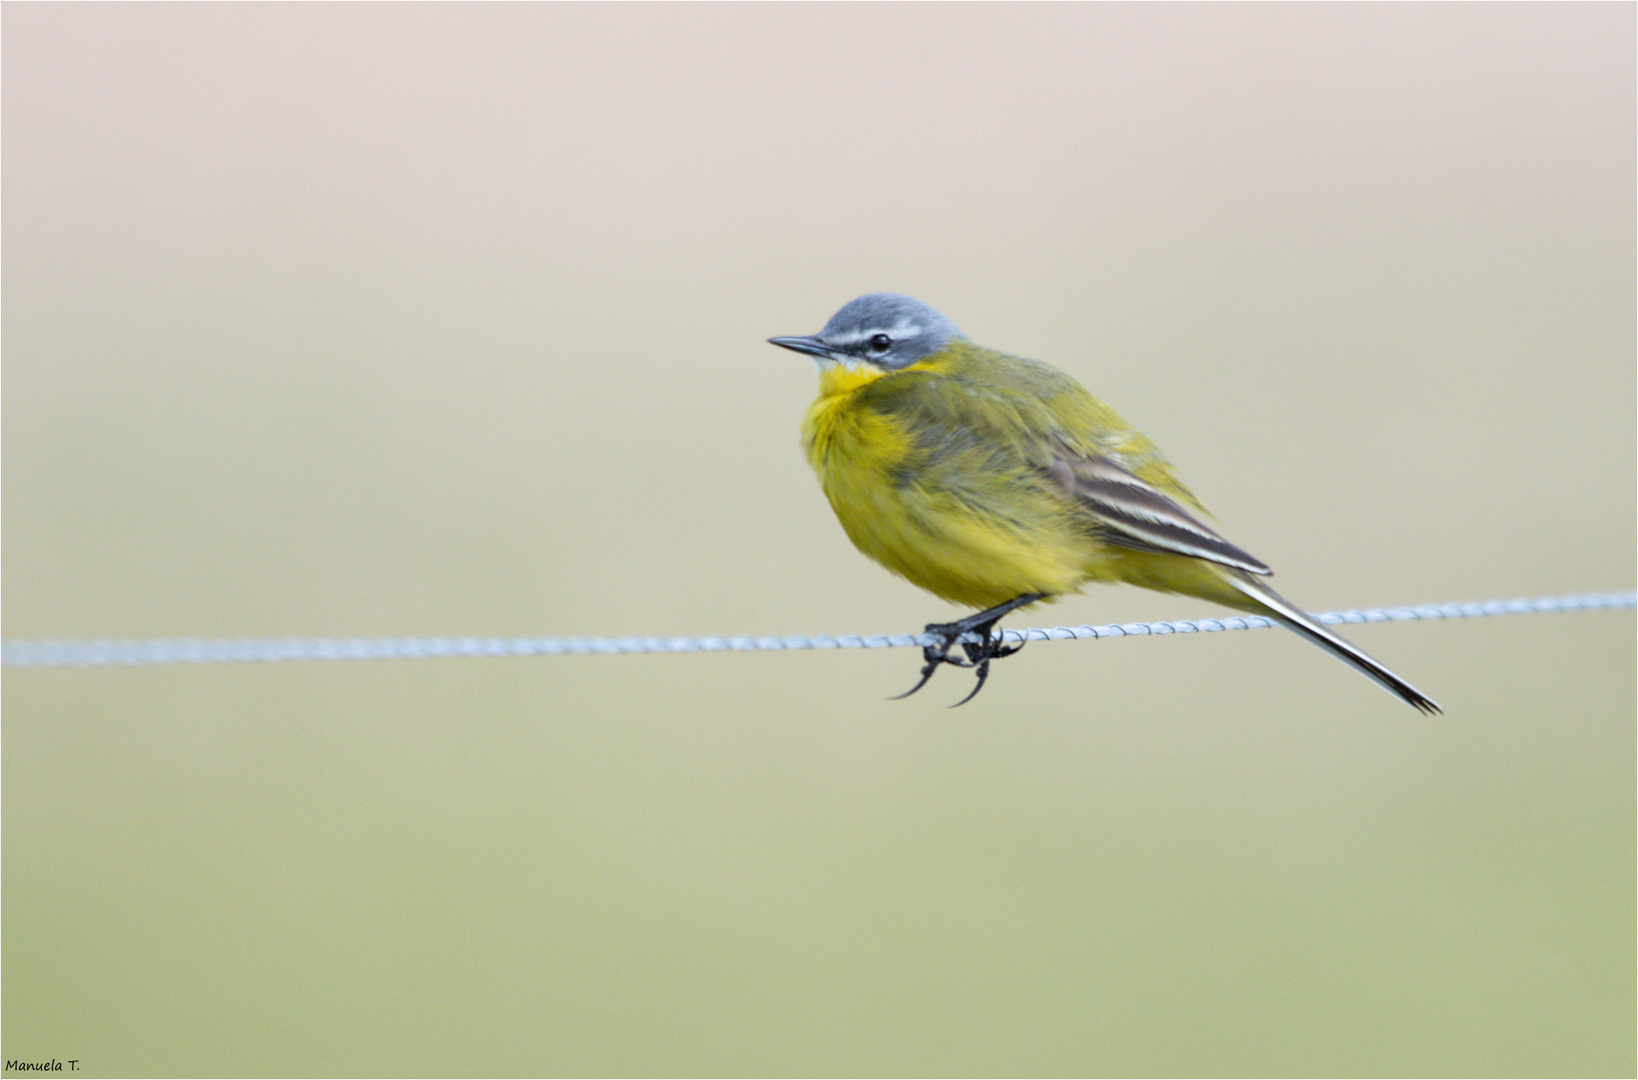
column 810, row 345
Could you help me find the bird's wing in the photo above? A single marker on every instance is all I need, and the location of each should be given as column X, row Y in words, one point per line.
column 1044, row 424
column 1130, row 512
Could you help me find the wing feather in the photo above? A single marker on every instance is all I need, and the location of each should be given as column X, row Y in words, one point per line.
column 1129, row 512
column 962, row 420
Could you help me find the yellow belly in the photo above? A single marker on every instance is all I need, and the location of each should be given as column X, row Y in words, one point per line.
column 981, row 543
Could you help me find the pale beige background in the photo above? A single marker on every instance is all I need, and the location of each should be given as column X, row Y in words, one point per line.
column 449, row 320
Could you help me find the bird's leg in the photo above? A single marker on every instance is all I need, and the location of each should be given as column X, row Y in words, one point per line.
column 979, row 653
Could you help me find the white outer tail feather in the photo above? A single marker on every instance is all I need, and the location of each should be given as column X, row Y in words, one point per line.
column 1299, row 622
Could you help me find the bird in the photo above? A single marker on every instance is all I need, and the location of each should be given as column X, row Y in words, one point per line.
column 997, row 482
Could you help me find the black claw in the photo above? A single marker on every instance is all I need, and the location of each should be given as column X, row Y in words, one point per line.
column 926, row 673
column 988, row 647
column 983, row 673
column 939, row 653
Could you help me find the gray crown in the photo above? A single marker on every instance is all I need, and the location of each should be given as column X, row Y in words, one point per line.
column 889, row 330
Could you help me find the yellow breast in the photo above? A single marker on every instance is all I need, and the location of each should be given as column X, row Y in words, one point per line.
column 944, row 524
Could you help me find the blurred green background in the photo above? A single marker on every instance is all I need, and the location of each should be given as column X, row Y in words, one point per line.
column 388, row 320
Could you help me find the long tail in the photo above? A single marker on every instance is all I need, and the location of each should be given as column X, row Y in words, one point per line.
column 1279, row 608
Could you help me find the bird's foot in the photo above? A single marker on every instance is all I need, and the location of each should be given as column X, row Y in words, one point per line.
column 989, row 646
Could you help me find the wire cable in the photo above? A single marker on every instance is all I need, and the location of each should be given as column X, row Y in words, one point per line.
column 105, row 653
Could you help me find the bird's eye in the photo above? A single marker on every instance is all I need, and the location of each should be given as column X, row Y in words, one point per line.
column 880, row 343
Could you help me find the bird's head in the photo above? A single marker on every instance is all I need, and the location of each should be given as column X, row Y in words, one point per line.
column 887, row 331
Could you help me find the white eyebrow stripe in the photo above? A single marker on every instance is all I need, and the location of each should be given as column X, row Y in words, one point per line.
column 901, row 329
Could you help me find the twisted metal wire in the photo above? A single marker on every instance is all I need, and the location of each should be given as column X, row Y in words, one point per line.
column 102, row 653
